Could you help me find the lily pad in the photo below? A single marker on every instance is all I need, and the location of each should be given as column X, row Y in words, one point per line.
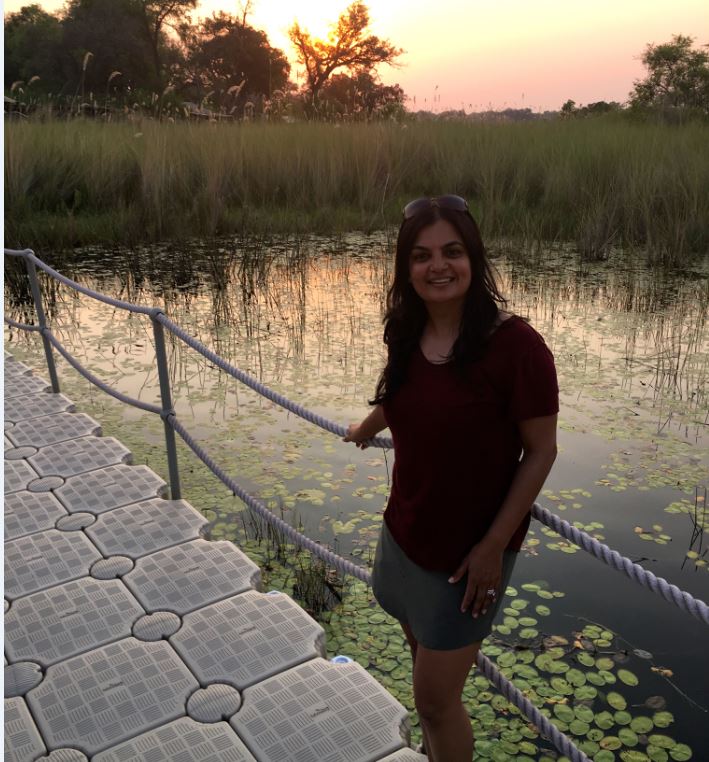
column 641, row 724
column 627, row 677
column 616, row 700
column 681, row 753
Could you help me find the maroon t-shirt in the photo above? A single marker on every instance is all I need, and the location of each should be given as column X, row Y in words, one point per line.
column 457, row 443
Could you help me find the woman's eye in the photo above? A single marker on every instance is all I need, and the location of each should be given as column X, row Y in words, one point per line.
column 455, row 252
column 419, row 257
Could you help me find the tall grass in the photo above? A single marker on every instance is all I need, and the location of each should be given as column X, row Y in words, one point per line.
column 596, row 183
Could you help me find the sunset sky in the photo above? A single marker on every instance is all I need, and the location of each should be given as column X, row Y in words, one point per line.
column 475, row 54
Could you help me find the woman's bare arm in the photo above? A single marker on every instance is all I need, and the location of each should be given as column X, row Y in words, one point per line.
column 359, row 433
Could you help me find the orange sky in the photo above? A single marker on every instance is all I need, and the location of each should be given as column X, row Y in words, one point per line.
column 498, row 53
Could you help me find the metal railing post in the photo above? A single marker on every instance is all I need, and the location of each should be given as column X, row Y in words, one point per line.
column 41, row 318
column 164, row 377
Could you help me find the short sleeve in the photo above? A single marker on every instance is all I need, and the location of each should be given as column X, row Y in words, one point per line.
column 535, row 390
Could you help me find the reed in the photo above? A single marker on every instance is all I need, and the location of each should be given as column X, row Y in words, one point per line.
column 597, row 183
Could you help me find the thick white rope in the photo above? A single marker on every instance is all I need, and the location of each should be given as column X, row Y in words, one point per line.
column 697, row 608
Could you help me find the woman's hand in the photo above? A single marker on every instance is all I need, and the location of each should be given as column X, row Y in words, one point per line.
column 483, row 566
column 355, row 434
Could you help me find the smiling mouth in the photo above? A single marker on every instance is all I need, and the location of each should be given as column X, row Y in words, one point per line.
column 440, row 281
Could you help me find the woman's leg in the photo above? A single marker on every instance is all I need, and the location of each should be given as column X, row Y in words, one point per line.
column 413, row 645
column 439, row 679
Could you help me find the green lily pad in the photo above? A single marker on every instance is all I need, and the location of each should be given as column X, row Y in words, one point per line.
column 623, row 718
column 610, row 742
column 584, row 713
column 641, row 724
column 627, row 677
column 579, row 727
column 681, row 753
column 664, row 742
column 616, row 700
column 632, row 755
column 564, row 712
column 604, row 720
column 628, row 737
column 663, row 719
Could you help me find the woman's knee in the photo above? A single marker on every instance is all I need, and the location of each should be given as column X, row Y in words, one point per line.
column 433, row 706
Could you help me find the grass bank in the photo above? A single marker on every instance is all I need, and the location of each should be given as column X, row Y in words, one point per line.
column 595, row 182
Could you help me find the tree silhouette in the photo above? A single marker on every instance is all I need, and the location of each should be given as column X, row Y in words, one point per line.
column 155, row 15
column 348, row 47
column 678, row 77
column 231, row 60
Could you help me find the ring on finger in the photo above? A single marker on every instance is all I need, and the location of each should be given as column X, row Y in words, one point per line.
column 492, row 593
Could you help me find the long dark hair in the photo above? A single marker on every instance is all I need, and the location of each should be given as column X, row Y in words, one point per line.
column 406, row 314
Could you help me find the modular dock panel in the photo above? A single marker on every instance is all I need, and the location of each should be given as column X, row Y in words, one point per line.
column 130, row 637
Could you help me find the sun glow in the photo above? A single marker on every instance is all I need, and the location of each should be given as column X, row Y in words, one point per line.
column 277, row 16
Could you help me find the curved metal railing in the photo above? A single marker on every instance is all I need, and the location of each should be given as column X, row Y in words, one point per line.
column 669, row 592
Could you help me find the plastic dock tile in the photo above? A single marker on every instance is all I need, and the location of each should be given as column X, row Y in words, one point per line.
column 321, row 712
column 110, row 695
column 20, row 385
column 30, row 512
column 248, row 638
column 14, row 369
column 405, row 755
column 183, row 739
column 49, row 429
column 22, row 739
column 107, row 488
column 36, row 405
column 192, row 575
column 143, row 528
column 70, row 619
column 46, row 559
column 18, row 474
column 77, row 456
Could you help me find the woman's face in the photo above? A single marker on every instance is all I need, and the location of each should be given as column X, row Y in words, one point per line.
column 439, row 266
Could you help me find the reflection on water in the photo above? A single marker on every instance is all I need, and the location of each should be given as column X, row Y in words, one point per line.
column 632, row 351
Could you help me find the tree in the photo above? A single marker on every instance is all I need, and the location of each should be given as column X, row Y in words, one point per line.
column 348, row 47
column 231, row 60
column 362, row 93
column 568, row 109
column 33, row 49
column 155, row 15
column 112, row 32
column 677, row 79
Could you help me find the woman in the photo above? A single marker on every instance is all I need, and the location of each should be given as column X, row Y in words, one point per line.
column 469, row 393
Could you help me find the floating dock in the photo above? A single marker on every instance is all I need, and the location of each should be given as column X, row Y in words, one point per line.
column 128, row 636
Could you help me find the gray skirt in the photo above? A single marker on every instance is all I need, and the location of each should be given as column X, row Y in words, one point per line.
column 426, row 601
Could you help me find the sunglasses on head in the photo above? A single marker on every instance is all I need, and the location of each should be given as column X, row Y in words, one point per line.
column 456, row 203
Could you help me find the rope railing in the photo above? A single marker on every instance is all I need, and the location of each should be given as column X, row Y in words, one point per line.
column 22, row 326
column 634, row 571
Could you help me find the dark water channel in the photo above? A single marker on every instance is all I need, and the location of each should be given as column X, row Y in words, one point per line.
column 632, row 352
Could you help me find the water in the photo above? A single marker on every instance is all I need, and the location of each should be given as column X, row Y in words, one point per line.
column 304, row 317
